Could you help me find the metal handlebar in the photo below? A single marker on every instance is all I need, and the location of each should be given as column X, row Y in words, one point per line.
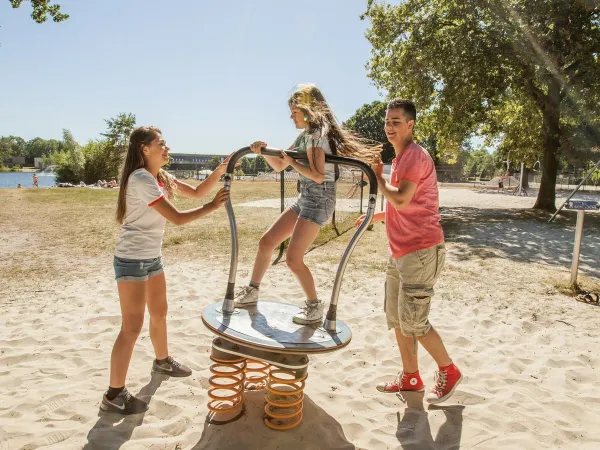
column 330, row 320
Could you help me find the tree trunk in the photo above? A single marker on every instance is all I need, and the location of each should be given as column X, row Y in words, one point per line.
column 551, row 137
column 525, row 183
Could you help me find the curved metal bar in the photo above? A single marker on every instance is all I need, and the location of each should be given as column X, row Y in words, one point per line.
column 330, row 320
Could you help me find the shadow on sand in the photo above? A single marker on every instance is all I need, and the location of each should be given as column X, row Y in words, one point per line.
column 522, row 235
column 318, row 430
column 112, row 430
column 414, row 429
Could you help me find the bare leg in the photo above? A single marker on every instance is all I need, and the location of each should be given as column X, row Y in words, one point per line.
column 132, row 296
column 156, row 295
column 304, row 234
column 279, row 232
column 410, row 362
column 432, row 342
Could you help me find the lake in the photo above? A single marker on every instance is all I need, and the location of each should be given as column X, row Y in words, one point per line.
column 12, row 179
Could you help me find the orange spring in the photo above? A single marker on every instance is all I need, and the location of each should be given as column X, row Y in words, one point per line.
column 256, row 374
column 226, row 391
column 284, row 399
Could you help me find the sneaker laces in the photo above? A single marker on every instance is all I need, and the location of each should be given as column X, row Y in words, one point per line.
column 243, row 292
column 440, row 378
column 174, row 364
column 127, row 397
column 309, row 308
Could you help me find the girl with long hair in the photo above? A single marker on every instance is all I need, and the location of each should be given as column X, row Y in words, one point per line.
column 143, row 208
column 321, row 135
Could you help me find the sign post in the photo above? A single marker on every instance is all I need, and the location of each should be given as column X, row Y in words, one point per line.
column 580, row 206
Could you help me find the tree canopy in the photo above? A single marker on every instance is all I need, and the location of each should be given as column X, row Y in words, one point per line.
column 42, row 10
column 524, row 73
column 368, row 122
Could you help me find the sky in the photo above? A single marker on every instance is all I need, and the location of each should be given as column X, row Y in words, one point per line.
column 214, row 75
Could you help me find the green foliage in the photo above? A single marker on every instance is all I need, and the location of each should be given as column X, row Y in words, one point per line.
column 525, row 73
column 16, row 168
column 70, row 161
column 260, row 164
column 95, row 167
column 479, row 163
column 11, row 146
column 247, row 165
column 213, row 163
column 368, row 121
column 238, row 173
column 117, row 134
column 42, row 9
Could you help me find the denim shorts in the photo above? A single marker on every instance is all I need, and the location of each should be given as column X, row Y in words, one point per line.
column 137, row 269
column 316, row 202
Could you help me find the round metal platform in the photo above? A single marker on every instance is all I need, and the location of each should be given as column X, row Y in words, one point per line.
column 269, row 326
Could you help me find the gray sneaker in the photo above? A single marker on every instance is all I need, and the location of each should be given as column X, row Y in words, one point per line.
column 311, row 313
column 246, row 296
column 171, row 368
column 124, row 403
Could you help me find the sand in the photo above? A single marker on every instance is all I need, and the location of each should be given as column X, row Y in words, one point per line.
column 529, row 354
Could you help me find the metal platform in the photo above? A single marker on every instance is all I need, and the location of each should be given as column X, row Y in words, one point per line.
column 269, row 326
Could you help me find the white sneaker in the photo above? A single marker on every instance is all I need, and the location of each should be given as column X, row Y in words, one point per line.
column 311, row 313
column 246, row 296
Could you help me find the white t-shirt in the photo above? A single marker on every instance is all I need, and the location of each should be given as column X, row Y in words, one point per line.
column 143, row 227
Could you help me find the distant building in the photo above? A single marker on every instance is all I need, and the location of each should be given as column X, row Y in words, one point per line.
column 15, row 161
column 191, row 161
column 38, row 163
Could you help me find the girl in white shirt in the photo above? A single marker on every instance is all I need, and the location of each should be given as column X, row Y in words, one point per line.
column 143, row 208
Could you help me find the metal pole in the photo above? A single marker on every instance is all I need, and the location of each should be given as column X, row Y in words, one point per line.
column 577, row 246
column 575, row 190
column 362, row 178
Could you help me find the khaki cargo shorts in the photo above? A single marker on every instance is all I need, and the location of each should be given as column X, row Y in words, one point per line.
column 409, row 288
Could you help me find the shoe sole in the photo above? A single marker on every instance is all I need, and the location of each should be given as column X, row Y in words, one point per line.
column 445, row 397
column 306, row 322
column 243, row 305
column 112, row 409
column 171, row 374
column 398, row 391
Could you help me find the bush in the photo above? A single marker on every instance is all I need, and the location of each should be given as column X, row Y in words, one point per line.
column 16, row 168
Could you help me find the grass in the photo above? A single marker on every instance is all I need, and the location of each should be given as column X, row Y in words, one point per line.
column 79, row 225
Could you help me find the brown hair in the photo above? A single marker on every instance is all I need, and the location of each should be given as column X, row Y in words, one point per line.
column 310, row 100
column 134, row 160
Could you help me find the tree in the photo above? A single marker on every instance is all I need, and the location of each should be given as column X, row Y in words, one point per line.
column 69, row 161
column 117, row 134
column 11, row 146
column 213, row 163
column 42, row 9
column 247, row 164
column 260, row 164
column 39, row 148
column 368, row 121
column 524, row 72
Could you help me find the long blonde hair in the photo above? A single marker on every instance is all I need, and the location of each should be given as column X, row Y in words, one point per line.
column 310, row 100
column 134, row 160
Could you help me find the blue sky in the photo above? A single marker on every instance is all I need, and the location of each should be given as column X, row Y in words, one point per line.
column 213, row 75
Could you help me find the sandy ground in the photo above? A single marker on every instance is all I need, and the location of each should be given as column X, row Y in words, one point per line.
column 528, row 352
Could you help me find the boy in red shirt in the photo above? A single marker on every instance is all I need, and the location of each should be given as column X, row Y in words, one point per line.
column 417, row 252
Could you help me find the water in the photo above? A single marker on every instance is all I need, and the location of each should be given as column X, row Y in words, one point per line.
column 12, row 179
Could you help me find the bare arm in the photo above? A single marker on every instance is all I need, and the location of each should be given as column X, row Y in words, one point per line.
column 316, row 164
column 203, row 188
column 166, row 209
column 401, row 196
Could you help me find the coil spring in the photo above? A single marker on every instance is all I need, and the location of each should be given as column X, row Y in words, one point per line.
column 256, row 373
column 226, row 393
column 284, row 399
